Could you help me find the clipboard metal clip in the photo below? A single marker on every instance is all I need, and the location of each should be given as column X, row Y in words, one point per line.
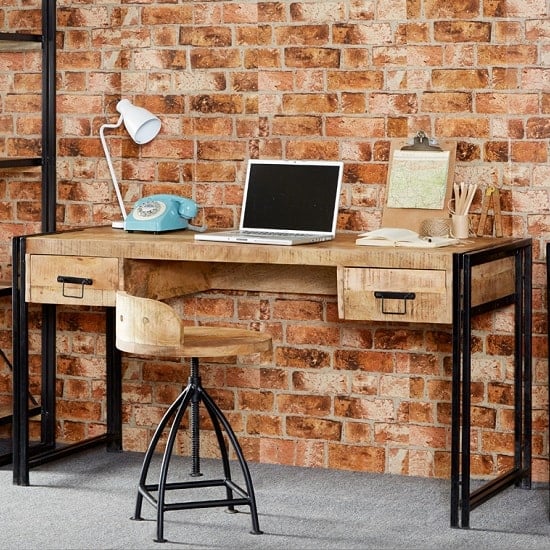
column 421, row 142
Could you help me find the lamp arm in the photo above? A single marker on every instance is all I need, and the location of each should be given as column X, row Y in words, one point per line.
column 110, row 164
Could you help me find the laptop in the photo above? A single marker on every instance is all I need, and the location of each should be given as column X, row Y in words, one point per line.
column 286, row 203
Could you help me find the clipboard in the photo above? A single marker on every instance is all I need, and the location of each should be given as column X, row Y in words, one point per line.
column 427, row 177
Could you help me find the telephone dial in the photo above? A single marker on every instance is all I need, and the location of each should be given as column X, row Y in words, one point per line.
column 158, row 213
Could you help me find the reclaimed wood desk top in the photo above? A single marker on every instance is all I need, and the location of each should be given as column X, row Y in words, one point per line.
column 181, row 246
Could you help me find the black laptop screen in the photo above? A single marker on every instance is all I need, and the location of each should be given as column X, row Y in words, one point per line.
column 294, row 197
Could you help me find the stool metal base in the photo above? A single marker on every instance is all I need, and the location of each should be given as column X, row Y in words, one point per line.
column 155, row 493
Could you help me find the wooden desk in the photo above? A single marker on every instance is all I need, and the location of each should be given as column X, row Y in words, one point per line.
column 443, row 285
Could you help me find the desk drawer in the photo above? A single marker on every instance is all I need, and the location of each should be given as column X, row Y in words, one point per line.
column 71, row 280
column 382, row 294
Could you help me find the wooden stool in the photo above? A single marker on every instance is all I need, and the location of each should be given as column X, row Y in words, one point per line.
column 152, row 328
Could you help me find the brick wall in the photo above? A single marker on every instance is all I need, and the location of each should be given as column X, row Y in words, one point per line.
column 320, row 79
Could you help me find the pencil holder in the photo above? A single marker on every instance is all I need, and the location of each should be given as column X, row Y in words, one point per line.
column 460, row 226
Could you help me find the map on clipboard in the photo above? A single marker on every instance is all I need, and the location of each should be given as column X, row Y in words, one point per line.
column 418, row 179
column 419, row 184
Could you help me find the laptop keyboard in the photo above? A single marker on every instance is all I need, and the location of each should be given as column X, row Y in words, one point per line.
column 271, row 234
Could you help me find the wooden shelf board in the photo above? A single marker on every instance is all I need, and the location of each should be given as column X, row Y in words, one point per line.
column 20, row 162
column 12, row 41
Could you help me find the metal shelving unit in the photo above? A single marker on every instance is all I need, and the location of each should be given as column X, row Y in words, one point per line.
column 14, row 41
column 46, row 40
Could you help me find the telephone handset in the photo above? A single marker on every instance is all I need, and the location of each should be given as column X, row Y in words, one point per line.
column 158, row 213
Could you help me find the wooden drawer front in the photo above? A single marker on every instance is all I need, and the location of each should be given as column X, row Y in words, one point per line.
column 410, row 295
column 43, row 284
column 493, row 280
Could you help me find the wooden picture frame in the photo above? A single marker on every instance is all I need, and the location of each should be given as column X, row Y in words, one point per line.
column 419, row 185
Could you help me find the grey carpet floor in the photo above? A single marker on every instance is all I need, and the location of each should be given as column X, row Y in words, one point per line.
column 85, row 502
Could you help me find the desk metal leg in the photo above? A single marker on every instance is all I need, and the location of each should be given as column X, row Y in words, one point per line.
column 523, row 372
column 457, row 340
column 49, row 362
column 20, row 426
column 114, row 384
column 462, row 500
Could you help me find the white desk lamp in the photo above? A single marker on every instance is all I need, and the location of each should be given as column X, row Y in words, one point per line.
column 142, row 126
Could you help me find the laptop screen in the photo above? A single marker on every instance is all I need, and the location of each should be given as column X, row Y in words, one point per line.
column 292, row 195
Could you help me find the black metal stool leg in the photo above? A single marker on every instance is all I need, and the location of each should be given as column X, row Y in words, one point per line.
column 223, row 450
column 182, row 399
column 195, row 381
column 161, row 504
column 240, row 456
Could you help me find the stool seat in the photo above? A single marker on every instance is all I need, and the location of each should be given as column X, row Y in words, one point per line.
column 152, row 328
column 207, row 342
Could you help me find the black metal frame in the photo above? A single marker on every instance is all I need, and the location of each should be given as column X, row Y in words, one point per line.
column 49, row 149
column 47, row 159
column 25, row 454
column 463, row 500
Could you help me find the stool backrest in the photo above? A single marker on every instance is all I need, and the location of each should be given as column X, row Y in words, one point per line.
column 147, row 327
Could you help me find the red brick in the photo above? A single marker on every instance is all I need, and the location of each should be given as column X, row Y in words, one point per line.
column 347, row 457
column 312, row 405
column 264, row 425
column 447, row 102
column 462, row 31
column 300, row 357
column 363, row 360
column 256, row 401
column 320, row 335
column 462, row 9
column 277, row 451
column 313, row 428
column 309, row 57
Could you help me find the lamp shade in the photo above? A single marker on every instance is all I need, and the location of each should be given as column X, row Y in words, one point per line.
column 141, row 124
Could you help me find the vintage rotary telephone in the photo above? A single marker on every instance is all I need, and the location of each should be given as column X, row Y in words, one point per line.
column 158, row 213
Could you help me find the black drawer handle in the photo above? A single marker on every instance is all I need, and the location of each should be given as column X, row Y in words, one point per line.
column 65, row 279
column 391, row 295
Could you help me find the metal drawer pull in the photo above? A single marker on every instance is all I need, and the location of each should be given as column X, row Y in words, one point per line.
column 73, row 281
column 387, row 295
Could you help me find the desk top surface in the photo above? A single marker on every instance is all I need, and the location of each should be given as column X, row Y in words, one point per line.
column 181, row 246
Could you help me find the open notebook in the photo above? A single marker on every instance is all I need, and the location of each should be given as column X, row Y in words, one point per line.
column 286, row 203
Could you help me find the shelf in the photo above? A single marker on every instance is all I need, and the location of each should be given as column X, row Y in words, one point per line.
column 18, row 163
column 19, row 37
column 5, row 290
column 12, row 41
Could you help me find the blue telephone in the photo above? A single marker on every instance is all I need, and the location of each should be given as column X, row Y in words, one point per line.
column 158, row 213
